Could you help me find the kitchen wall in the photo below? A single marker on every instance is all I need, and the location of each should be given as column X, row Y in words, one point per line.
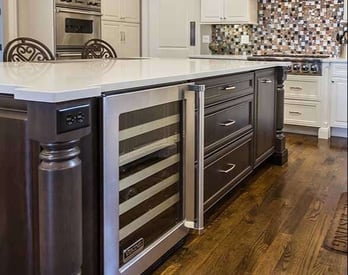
column 291, row 26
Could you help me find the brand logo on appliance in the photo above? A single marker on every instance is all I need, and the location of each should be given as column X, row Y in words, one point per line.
column 133, row 250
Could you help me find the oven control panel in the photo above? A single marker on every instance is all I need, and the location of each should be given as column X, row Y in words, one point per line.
column 305, row 68
column 93, row 5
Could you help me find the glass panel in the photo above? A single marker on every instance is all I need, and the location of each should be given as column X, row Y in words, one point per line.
column 150, row 183
column 73, row 25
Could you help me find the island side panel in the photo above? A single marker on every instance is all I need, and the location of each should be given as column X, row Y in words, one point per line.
column 280, row 155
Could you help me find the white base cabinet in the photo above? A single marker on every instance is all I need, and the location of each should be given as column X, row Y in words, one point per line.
column 338, row 91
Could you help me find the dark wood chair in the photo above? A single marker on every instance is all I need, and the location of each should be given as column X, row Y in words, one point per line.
column 97, row 48
column 25, row 49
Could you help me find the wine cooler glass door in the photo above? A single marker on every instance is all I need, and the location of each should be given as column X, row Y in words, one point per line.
column 144, row 171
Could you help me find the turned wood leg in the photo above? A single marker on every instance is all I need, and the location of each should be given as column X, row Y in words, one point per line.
column 280, row 155
column 60, row 209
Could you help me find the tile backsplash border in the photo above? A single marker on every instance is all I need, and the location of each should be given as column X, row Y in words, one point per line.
column 291, row 26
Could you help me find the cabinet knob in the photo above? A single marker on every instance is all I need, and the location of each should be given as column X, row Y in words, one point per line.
column 332, row 81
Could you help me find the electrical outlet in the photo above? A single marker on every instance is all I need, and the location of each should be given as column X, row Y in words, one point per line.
column 244, row 39
column 206, row 39
column 72, row 118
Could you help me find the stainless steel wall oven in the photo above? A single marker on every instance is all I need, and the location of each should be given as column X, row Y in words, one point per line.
column 149, row 185
column 76, row 23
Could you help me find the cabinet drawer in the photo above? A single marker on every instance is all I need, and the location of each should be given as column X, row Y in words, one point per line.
column 220, row 89
column 227, row 121
column 339, row 70
column 226, row 168
column 302, row 113
column 302, row 87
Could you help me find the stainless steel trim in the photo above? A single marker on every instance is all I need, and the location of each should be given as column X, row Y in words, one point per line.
column 189, row 158
column 77, row 11
column 199, row 220
column 68, row 55
column 229, row 123
column 148, row 149
column 148, row 193
column 228, row 170
column 229, row 88
column 147, row 172
column 147, row 217
column 147, row 127
column 152, row 253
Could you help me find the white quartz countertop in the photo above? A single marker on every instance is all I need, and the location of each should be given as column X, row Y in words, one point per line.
column 60, row 81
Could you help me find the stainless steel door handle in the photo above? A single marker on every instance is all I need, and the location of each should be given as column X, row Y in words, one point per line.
column 229, row 123
column 229, row 169
column 295, row 113
column 78, row 12
column 266, row 81
column 229, row 88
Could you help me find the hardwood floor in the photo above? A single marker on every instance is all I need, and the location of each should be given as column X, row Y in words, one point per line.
column 276, row 222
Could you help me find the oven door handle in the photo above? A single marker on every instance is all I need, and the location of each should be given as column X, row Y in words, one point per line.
column 58, row 10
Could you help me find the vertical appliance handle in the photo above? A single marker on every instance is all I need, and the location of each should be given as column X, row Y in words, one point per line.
column 194, row 199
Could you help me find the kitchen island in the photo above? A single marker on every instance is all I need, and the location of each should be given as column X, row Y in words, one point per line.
column 72, row 137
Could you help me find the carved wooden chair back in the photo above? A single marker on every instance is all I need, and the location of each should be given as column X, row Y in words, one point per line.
column 25, row 49
column 97, row 48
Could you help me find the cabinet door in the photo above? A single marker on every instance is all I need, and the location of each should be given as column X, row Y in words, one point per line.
column 111, row 33
column 130, row 11
column 110, row 9
column 265, row 115
column 169, row 32
column 240, row 11
column 130, row 40
column 339, row 103
column 211, row 11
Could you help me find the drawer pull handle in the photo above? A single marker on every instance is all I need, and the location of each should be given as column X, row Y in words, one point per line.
column 295, row 113
column 229, row 123
column 229, row 169
column 266, row 81
column 296, row 88
column 229, row 88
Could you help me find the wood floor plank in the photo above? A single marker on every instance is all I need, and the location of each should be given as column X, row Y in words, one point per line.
column 276, row 221
column 268, row 260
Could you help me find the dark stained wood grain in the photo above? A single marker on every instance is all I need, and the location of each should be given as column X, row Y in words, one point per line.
column 276, row 222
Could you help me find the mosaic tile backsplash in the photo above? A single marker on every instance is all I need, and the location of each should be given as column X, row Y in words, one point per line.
column 291, row 26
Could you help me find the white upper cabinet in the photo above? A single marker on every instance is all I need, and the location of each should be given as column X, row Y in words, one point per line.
column 229, row 11
column 121, row 10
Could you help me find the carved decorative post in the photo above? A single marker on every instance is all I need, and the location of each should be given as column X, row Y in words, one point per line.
column 281, row 153
column 58, row 128
column 60, row 209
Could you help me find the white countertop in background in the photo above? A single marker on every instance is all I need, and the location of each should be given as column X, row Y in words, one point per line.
column 69, row 80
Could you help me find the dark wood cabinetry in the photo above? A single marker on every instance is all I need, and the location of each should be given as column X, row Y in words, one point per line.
column 264, row 114
column 239, row 128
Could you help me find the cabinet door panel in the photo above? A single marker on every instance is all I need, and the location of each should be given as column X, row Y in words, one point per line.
column 111, row 9
column 111, row 34
column 235, row 10
column 130, row 46
column 265, row 115
column 130, row 11
column 339, row 103
column 211, row 10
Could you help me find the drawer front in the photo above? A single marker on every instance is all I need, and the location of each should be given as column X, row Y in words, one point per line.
column 220, row 89
column 227, row 122
column 339, row 70
column 226, row 169
column 302, row 113
column 302, row 87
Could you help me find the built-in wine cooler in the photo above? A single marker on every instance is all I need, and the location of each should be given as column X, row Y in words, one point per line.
column 150, row 198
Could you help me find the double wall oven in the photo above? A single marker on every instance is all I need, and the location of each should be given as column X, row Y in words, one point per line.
column 77, row 21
